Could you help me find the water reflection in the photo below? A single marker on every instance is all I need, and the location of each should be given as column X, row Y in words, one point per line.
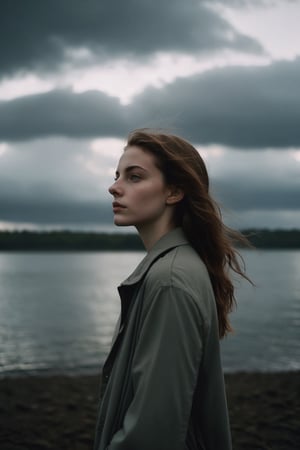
column 58, row 310
column 265, row 321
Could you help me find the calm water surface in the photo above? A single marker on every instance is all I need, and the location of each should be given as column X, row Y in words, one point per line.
column 58, row 310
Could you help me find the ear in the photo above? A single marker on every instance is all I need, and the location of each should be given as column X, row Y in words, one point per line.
column 175, row 194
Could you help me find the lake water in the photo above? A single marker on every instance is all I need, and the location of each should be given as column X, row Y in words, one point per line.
column 58, row 310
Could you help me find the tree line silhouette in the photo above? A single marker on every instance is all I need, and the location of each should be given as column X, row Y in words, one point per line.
column 91, row 241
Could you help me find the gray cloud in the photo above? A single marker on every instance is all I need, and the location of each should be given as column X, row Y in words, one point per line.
column 56, row 212
column 265, row 182
column 249, row 107
column 38, row 32
column 240, row 196
column 242, row 107
column 43, row 182
column 39, row 210
column 50, row 180
column 249, row 3
column 232, row 194
column 62, row 113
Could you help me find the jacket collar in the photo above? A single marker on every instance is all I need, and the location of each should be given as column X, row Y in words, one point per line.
column 174, row 238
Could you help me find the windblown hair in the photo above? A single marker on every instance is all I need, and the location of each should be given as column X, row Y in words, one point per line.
column 198, row 214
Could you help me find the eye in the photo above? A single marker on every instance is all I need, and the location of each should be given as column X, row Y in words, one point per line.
column 134, row 177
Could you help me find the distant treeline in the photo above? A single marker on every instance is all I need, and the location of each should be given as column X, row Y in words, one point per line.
column 69, row 240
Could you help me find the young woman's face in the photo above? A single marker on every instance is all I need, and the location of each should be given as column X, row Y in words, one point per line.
column 140, row 193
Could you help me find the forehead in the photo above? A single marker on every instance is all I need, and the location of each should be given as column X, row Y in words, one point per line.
column 136, row 156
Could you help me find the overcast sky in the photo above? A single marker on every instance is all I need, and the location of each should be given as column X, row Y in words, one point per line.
column 76, row 76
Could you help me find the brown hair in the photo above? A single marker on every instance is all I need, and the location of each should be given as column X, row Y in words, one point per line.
column 198, row 214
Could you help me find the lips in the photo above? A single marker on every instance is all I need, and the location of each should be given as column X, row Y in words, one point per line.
column 117, row 205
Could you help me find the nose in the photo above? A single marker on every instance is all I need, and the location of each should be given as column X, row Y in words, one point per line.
column 115, row 189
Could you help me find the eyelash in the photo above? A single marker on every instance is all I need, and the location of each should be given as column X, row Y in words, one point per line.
column 131, row 177
column 134, row 176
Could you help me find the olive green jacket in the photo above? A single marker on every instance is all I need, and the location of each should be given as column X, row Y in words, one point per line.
column 162, row 383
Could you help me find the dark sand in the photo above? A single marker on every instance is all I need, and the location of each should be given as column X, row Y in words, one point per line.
column 59, row 412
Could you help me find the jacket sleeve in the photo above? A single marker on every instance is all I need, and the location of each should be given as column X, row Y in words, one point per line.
column 164, row 373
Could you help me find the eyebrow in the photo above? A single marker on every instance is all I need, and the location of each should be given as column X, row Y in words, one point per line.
column 129, row 168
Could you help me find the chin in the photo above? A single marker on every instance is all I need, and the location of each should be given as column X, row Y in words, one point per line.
column 121, row 223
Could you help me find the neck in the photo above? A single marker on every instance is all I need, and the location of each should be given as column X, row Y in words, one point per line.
column 151, row 234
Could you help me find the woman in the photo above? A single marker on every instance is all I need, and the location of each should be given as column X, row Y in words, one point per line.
column 162, row 384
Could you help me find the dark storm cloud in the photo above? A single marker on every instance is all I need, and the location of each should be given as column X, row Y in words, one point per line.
column 240, row 196
column 61, row 113
column 57, row 190
column 45, row 211
column 242, row 107
column 39, row 211
column 38, row 32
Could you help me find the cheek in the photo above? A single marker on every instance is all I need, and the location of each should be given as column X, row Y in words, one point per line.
column 153, row 194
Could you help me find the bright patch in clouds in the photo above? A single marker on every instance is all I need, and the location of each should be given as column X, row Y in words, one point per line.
column 26, row 84
column 102, row 158
column 275, row 25
column 295, row 155
column 243, row 165
column 3, row 148
column 111, row 147
column 4, row 226
column 210, row 152
column 123, row 78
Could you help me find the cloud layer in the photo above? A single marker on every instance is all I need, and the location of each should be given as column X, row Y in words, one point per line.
column 240, row 107
column 41, row 33
column 216, row 85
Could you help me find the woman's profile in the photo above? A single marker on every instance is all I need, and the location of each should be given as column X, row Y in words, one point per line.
column 162, row 382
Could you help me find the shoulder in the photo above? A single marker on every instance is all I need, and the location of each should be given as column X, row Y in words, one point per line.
column 181, row 267
column 182, row 270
